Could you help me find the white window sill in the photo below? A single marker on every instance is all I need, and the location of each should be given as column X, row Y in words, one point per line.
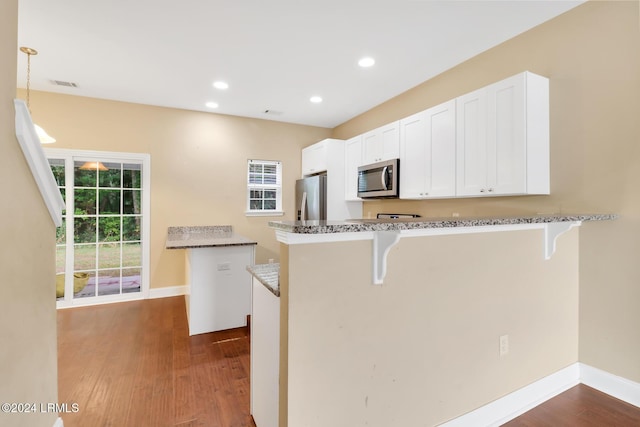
column 264, row 213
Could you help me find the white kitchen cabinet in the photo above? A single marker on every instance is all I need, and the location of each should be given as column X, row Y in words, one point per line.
column 502, row 138
column 381, row 144
column 219, row 289
column 314, row 158
column 352, row 160
column 428, row 153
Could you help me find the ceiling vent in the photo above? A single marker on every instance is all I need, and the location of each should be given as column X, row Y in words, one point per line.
column 273, row 112
column 63, row 83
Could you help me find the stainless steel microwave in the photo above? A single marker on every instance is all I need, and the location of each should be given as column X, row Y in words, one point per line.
column 379, row 180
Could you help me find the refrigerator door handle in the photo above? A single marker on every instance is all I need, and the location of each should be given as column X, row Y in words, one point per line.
column 303, row 205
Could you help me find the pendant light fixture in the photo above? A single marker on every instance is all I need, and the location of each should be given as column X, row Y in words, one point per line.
column 42, row 135
column 94, row 166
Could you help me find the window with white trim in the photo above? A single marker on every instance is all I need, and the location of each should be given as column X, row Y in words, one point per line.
column 264, row 187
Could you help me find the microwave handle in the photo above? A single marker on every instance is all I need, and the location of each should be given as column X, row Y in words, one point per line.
column 384, row 177
column 303, row 205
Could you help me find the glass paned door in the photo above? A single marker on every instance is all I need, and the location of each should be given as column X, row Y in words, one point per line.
column 58, row 169
column 101, row 240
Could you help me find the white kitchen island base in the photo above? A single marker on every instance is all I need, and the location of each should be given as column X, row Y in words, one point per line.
column 218, row 293
column 219, row 288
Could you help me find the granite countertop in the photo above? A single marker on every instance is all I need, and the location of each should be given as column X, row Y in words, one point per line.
column 375, row 224
column 204, row 237
column 268, row 275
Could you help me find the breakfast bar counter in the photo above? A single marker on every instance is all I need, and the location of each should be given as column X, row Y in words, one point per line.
column 386, row 233
column 423, row 320
column 404, row 224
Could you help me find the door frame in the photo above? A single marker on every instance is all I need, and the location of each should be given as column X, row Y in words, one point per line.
column 69, row 155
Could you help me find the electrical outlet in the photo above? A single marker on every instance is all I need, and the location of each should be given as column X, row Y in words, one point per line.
column 504, row 345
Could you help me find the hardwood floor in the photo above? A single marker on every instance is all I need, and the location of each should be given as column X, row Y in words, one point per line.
column 134, row 365
column 580, row 406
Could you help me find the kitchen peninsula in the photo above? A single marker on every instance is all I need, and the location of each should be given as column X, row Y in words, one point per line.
column 422, row 348
column 265, row 336
column 218, row 293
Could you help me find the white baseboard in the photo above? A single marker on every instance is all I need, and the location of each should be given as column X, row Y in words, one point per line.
column 613, row 385
column 58, row 423
column 169, row 291
column 520, row 401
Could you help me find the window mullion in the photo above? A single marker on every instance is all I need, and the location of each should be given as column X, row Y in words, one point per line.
column 121, row 237
column 69, row 229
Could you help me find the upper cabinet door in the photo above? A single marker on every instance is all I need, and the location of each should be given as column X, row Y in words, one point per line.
column 413, row 156
column 381, row 144
column 441, row 150
column 371, row 147
column 471, row 143
column 314, row 158
column 506, row 137
column 428, row 153
column 390, row 136
column 537, row 134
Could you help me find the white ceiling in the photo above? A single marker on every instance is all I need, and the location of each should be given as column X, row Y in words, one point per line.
column 274, row 54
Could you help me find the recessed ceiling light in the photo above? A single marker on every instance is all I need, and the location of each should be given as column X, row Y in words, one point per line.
column 315, row 99
column 212, row 104
column 220, row 85
column 366, row 62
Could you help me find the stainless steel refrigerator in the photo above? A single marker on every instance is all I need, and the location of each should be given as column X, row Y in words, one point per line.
column 311, row 198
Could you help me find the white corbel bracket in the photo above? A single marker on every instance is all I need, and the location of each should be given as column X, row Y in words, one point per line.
column 552, row 231
column 383, row 241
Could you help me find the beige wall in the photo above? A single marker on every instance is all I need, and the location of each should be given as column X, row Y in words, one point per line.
column 198, row 164
column 28, row 362
column 592, row 58
column 423, row 348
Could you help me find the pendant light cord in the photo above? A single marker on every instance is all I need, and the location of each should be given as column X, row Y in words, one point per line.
column 28, row 80
column 42, row 135
column 29, row 51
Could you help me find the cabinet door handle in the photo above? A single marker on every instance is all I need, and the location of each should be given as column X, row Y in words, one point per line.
column 490, row 190
column 482, row 190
